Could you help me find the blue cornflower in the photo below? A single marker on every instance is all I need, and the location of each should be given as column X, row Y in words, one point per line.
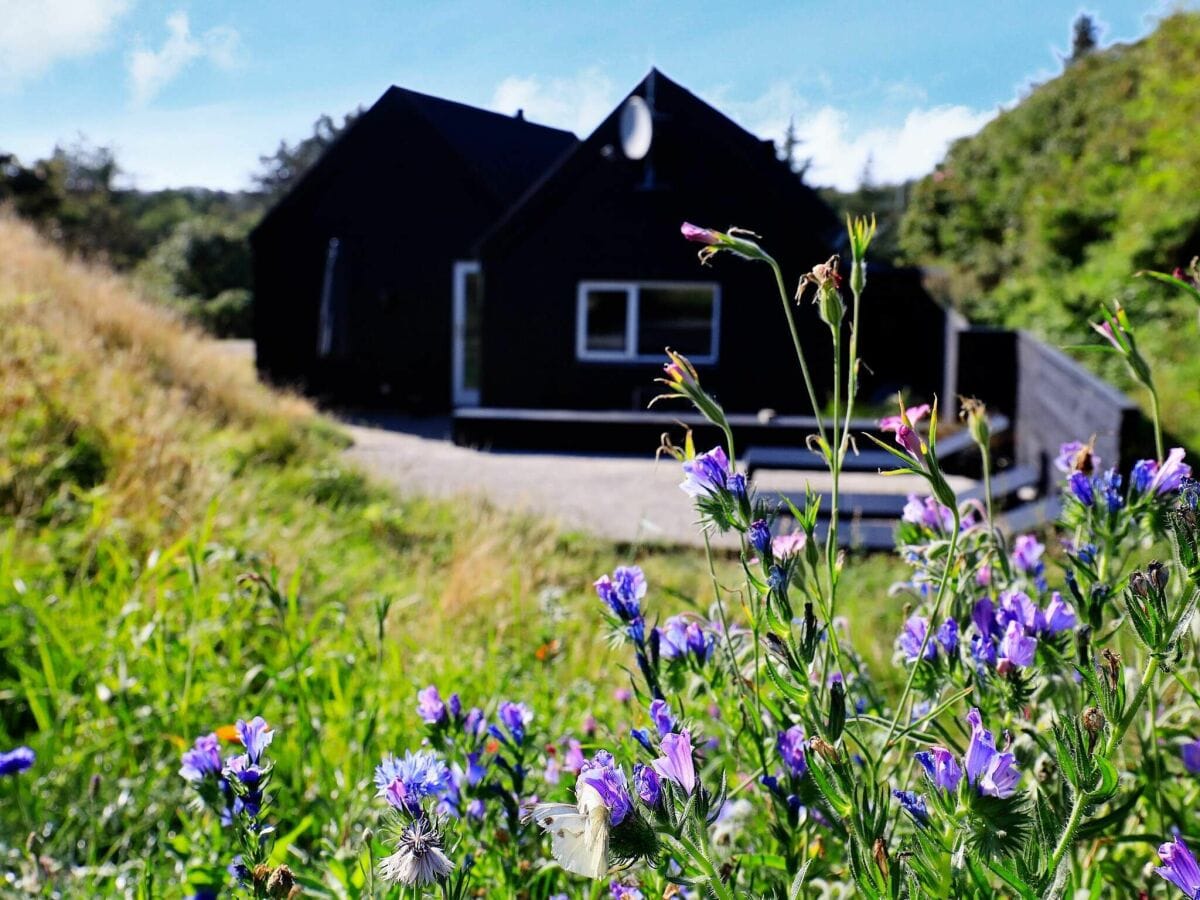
column 760, row 537
column 914, row 805
column 18, row 760
column 404, row 781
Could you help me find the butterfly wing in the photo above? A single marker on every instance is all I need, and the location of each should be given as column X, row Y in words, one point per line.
column 578, row 836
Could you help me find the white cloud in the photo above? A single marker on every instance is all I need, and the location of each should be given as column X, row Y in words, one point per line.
column 907, row 145
column 152, row 70
column 36, row 35
column 578, row 103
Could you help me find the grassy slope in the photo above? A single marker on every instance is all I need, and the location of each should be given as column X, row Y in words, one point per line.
column 1053, row 206
column 142, row 473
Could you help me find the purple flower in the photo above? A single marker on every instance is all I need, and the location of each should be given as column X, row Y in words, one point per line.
column 912, row 636
column 515, row 717
column 1059, row 615
column 474, row 725
column 645, row 783
column 1081, row 487
column 914, row 805
column 1171, row 473
column 737, row 485
column 19, row 759
column 553, row 771
column 677, row 765
column 941, row 767
column 699, row 235
column 660, row 714
column 983, row 616
column 1018, row 647
column 707, row 474
column 430, row 706
column 947, row 636
column 200, row 762
column 1110, row 487
column 404, row 781
column 602, row 775
column 1143, row 474
column 992, row 773
column 255, row 737
column 681, row 635
column 1068, row 453
column 476, row 769
column 1191, row 756
column 642, row 736
column 792, row 747
column 623, row 592
column 1179, row 867
column 760, row 536
column 927, row 512
column 476, row 809
column 574, row 758
column 1027, row 553
column 624, row 891
column 1015, row 606
column 983, row 650
column 914, row 414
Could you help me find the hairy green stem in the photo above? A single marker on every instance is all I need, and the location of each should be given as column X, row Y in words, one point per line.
column 1067, row 840
column 1158, row 435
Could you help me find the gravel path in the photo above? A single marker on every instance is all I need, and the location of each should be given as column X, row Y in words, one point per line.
column 624, row 499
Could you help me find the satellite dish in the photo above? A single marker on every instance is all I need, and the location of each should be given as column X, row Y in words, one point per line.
column 637, row 128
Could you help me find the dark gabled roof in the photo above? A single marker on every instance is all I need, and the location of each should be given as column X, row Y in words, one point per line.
column 504, row 154
column 721, row 131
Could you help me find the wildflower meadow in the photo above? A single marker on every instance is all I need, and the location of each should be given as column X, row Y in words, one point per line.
column 1031, row 730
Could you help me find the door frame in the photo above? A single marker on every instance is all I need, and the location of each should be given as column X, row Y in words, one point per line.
column 462, row 395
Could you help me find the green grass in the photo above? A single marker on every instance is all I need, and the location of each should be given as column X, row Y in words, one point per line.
column 147, row 487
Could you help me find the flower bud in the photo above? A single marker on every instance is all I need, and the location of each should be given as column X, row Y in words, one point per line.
column 837, row 710
column 1158, row 574
column 1139, row 584
column 1093, row 720
column 280, row 882
column 975, row 414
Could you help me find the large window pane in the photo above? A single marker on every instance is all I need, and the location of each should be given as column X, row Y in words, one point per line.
column 606, row 317
column 677, row 317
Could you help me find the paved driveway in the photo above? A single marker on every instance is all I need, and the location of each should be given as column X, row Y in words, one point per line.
column 625, row 499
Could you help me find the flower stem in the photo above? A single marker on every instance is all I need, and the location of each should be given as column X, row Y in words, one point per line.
column 791, row 320
column 1067, row 840
column 1158, row 435
column 937, row 609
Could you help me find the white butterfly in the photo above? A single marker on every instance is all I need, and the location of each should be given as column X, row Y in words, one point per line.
column 578, row 834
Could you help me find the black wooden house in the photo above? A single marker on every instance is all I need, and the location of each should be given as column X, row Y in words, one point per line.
column 440, row 258
column 355, row 268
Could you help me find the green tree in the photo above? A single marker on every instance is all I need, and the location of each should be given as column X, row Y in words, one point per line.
column 283, row 168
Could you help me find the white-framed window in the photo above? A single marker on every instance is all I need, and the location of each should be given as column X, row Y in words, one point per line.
column 634, row 321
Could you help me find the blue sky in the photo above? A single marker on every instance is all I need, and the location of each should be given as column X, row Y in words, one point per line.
column 191, row 93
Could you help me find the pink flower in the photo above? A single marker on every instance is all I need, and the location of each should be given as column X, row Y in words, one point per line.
column 784, row 545
column 698, row 234
column 914, row 413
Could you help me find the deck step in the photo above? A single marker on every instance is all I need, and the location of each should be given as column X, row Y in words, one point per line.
column 868, row 459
